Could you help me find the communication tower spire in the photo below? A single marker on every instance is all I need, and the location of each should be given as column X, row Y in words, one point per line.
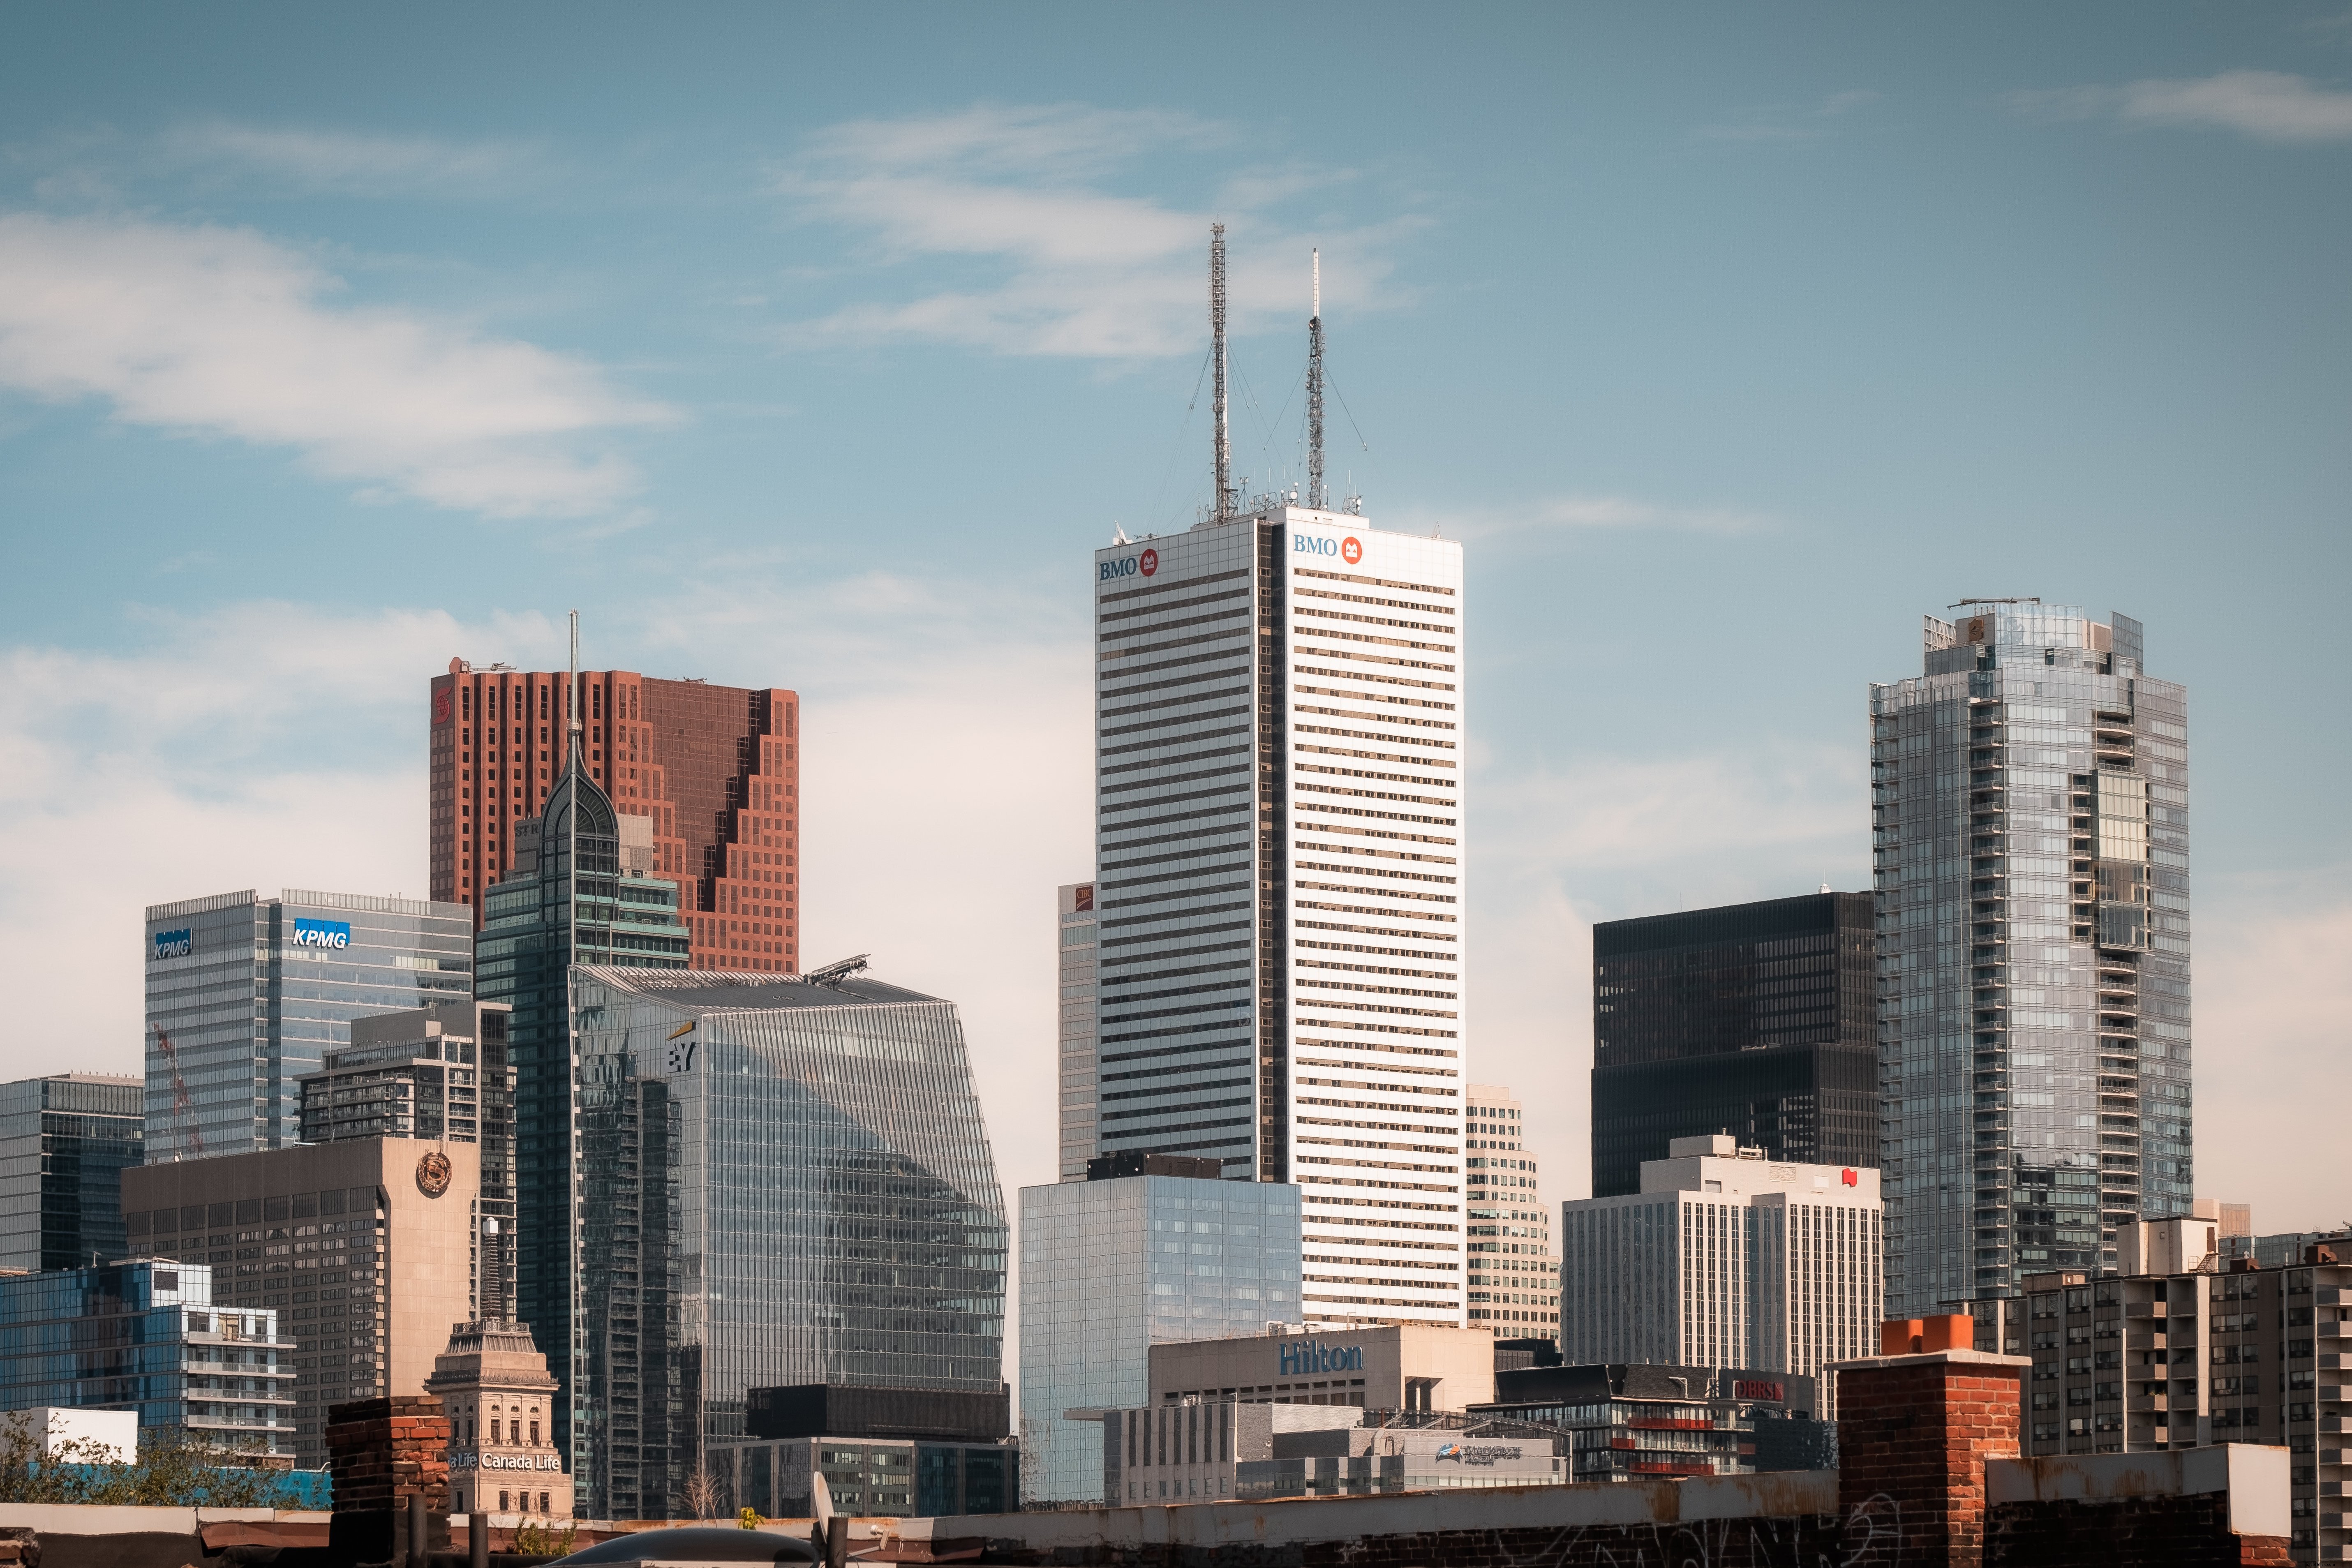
column 1314, row 497
column 1226, row 503
column 572, row 689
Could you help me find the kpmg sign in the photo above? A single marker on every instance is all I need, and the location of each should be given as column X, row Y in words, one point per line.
column 322, row 934
column 172, row 944
column 1307, row 1360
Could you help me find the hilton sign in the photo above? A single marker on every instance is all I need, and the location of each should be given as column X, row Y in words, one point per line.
column 1307, row 1360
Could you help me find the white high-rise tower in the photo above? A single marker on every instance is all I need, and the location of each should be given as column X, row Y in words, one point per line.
column 1278, row 900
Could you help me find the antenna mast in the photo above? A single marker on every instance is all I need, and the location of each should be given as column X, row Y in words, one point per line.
column 1225, row 503
column 1314, row 497
column 572, row 687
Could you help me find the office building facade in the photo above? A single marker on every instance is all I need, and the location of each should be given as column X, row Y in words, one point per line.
column 1075, row 1044
column 363, row 1250
column 439, row 1071
column 1513, row 1280
column 64, row 1140
column 2181, row 1348
column 500, row 1398
column 2030, row 804
column 245, row 995
column 770, row 1182
column 1724, row 1258
column 714, row 772
column 1280, row 875
column 1638, row 1421
column 1156, row 1247
column 147, row 1336
column 1755, row 1020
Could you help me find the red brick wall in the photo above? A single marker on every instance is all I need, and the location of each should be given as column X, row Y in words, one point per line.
column 381, row 1452
column 1914, row 1435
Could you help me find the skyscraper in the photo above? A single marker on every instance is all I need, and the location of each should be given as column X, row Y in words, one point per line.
column 1514, row 1279
column 1076, row 1046
column 1755, row 1020
column 2030, row 797
column 64, row 1140
column 244, row 994
column 714, row 771
column 1280, row 878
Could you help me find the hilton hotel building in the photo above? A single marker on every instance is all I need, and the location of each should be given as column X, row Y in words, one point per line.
column 1279, row 885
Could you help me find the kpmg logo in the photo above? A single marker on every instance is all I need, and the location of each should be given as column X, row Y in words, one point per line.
column 322, row 934
column 1350, row 548
column 1145, row 564
column 174, row 944
column 1308, row 1360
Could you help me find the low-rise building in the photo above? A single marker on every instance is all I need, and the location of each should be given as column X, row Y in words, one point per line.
column 882, row 1451
column 1401, row 1366
column 2185, row 1348
column 1210, row 1448
column 147, row 1337
column 364, row 1251
column 1626, row 1422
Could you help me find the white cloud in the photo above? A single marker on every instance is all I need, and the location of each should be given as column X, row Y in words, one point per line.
column 218, row 331
column 1072, row 270
column 2269, row 106
column 313, row 161
column 1575, row 512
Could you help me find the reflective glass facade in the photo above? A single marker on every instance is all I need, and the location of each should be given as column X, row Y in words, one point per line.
column 576, row 893
column 245, row 994
column 2029, row 800
column 780, row 1183
column 1514, row 1280
column 146, row 1337
column 1280, row 847
column 1109, row 1269
column 63, row 1143
column 1758, row 1020
column 1076, row 1044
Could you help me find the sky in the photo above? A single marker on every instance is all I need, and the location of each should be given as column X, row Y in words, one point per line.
column 818, row 347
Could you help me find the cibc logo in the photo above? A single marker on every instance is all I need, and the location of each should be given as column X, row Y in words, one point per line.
column 1852, row 1178
column 1145, row 564
column 1350, row 548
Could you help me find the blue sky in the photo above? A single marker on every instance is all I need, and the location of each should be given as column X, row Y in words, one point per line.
column 818, row 346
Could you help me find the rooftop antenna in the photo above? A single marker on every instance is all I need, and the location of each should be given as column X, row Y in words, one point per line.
column 1315, row 496
column 572, row 687
column 1226, row 504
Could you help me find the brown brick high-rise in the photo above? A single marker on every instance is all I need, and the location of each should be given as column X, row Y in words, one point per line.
column 714, row 769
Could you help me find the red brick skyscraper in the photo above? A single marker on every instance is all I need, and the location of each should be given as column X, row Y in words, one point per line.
column 714, row 769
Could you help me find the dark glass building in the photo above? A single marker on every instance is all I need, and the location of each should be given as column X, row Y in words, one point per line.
column 1758, row 1020
column 64, row 1140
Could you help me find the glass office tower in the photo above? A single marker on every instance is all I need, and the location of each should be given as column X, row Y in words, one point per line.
column 1755, row 1020
column 64, row 1140
column 245, row 994
column 581, row 888
column 1079, row 944
column 1152, row 1248
column 2030, row 797
column 782, row 1182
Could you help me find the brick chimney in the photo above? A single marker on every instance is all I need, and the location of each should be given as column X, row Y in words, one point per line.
column 1913, row 1434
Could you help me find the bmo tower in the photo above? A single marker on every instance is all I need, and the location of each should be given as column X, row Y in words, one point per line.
column 1279, row 884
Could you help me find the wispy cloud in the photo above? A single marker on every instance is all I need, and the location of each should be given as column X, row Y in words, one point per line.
column 1785, row 122
column 316, row 161
column 2269, row 106
column 1063, row 264
column 1571, row 513
column 202, row 330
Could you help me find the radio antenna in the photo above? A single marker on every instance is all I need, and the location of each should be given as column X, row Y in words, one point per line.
column 1226, row 505
column 1314, row 497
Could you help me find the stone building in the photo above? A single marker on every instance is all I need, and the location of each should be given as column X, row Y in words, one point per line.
column 494, row 1385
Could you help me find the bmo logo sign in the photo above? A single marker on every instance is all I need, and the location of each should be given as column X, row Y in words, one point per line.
column 1143, row 565
column 1349, row 549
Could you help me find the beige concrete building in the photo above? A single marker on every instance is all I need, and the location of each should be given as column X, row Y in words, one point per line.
column 365, row 1250
column 1513, row 1280
column 1399, row 1367
column 495, row 1387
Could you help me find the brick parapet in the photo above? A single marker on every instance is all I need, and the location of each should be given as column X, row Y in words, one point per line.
column 2176, row 1530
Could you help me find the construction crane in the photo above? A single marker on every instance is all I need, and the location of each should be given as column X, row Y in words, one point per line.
column 183, row 1108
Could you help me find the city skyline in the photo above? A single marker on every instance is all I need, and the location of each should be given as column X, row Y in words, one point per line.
column 1749, row 359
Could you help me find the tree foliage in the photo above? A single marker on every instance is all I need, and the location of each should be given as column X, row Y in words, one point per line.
column 174, row 1468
